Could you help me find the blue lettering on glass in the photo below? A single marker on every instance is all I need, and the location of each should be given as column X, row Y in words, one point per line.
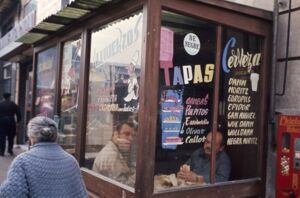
column 230, row 43
column 177, row 76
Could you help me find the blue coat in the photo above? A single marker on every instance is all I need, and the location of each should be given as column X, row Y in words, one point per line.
column 44, row 171
column 200, row 164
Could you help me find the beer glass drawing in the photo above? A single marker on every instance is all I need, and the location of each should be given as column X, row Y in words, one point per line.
column 254, row 77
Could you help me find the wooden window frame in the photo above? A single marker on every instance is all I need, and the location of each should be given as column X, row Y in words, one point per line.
column 225, row 16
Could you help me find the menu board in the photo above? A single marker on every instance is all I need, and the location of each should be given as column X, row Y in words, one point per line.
column 240, row 116
column 240, row 70
column 187, row 89
column 197, row 115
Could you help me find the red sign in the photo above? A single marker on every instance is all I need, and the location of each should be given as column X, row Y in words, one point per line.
column 288, row 157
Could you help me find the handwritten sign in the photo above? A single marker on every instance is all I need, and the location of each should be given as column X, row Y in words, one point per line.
column 238, row 58
column 196, row 118
column 189, row 74
column 242, row 85
column 240, row 117
column 188, row 116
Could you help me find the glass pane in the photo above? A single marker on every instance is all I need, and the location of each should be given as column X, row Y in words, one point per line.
column 240, row 93
column 45, row 82
column 69, row 94
column 115, row 68
column 286, row 139
column 187, row 72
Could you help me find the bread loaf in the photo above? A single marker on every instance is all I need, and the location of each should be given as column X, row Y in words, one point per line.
column 185, row 168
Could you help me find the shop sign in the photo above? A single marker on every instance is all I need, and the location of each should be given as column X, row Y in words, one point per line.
column 19, row 30
column 289, row 121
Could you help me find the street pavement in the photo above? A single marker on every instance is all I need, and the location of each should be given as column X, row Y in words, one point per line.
column 7, row 159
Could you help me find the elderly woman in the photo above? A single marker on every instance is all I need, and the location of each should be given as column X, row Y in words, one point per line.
column 46, row 170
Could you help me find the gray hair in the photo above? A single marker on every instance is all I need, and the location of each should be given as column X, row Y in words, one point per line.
column 42, row 129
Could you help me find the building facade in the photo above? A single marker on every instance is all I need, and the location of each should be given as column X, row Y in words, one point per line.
column 180, row 69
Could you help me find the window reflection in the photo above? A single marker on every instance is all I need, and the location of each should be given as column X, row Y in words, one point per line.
column 45, row 82
column 69, row 94
column 115, row 67
column 114, row 159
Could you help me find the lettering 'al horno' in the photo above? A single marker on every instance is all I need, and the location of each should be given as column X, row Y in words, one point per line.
column 240, row 118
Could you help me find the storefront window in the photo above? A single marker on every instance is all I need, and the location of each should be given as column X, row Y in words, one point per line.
column 45, row 82
column 113, row 95
column 185, row 106
column 240, row 94
column 69, row 94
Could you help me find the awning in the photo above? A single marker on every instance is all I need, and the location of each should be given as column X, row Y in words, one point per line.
column 64, row 18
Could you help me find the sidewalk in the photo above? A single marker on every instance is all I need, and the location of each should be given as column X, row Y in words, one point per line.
column 7, row 159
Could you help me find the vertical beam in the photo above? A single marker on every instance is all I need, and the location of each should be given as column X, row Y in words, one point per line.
column 263, row 119
column 58, row 78
column 83, row 93
column 216, row 103
column 33, row 85
column 149, row 100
